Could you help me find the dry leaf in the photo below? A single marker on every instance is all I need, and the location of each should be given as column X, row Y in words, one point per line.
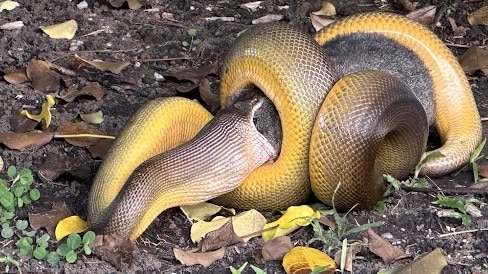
column 319, row 22
column 100, row 148
column 133, row 4
column 327, row 9
column 483, row 170
column 21, row 141
column 20, row 123
column 8, row 5
column 203, row 258
column 65, row 30
column 79, row 128
column 203, row 211
column 474, row 59
column 42, row 77
column 115, row 249
column 45, row 115
column 91, row 89
column 431, row 263
column 325, row 221
column 424, row 16
column 16, row 77
column 459, row 31
column 306, row 259
column 350, row 256
column 276, row 248
column 479, row 17
column 194, row 75
column 49, row 219
column 381, row 247
column 246, row 225
column 221, row 237
column 252, row 6
column 57, row 163
column 12, row 25
column 93, row 118
column 267, row 18
column 294, row 217
column 114, row 67
column 70, row 225
column 207, row 95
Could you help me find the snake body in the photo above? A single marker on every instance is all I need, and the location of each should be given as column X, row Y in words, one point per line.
column 352, row 105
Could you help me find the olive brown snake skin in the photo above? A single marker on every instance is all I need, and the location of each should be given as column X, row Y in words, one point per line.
column 352, row 107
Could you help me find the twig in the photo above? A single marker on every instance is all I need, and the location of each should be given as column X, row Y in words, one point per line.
column 483, row 119
column 449, row 191
column 162, row 59
column 462, row 232
column 83, row 135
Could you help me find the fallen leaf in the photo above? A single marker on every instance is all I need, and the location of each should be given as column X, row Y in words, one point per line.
column 431, row 263
column 91, row 89
column 210, row 98
column 100, row 148
column 203, row 258
column 65, row 30
column 319, row 22
column 306, row 259
column 203, row 211
column 45, row 115
column 221, row 237
column 59, row 162
column 73, row 129
column 381, row 247
column 459, row 31
column 12, row 25
column 246, row 224
column 474, row 59
column 8, row 5
column 42, row 77
column 424, row 16
column 21, row 141
column 70, row 225
column 93, row 118
column 294, row 217
column 49, row 219
column 327, row 9
column 16, row 77
column 351, row 252
column 276, row 248
column 20, row 123
column 115, row 249
column 267, row 18
column 479, row 17
column 483, row 170
column 252, row 6
column 194, row 75
column 133, row 4
column 114, row 67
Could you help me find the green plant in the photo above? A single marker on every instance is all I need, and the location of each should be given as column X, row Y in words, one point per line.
column 459, row 207
column 76, row 244
column 256, row 269
column 191, row 46
column 474, row 157
column 7, row 260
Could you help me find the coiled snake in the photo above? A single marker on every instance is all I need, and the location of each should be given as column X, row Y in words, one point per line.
column 351, row 105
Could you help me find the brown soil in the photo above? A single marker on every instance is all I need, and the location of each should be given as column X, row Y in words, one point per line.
column 141, row 35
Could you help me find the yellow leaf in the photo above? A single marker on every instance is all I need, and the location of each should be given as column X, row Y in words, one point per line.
column 65, row 30
column 294, row 217
column 203, row 211
column 479, row 17
column 93, row 118
column 305, row 259
column 327, row 9
column 8, row 5
column 70, row 225
column 45, row 112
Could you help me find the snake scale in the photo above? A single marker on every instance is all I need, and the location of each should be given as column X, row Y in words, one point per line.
column 300, row 116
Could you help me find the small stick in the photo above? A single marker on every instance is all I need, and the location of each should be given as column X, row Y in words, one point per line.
column 462, row 232
column 449, row 191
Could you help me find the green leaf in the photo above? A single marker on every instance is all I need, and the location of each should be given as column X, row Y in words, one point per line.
column 39, row 253
column 197, row 42
column 7, row 232
column 363, row 227
column 71, row 256
column 380, row 207
column 476, row 153
column 19, row 190
column 21, row 224
column 239, row 270
column 88, row 237
column 74, row 241
column 11, row 172
column 87, row 249
column 466, row 220
column 26, row 200
column 20, row 202
column 43, row 239
column 427, row 157
column 24, row 242
column 185, row 43
column 8, row 215
column 7, row 201
column 192, row 32
column 26, row 250
column 63, row 249
column 257, row 270
column 34, row 194
column 52, row 257
column 452, row 202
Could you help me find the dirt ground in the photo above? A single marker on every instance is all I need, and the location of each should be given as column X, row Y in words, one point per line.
column 153, row 44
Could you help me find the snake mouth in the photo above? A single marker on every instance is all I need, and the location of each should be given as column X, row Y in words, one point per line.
column 266, row 118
